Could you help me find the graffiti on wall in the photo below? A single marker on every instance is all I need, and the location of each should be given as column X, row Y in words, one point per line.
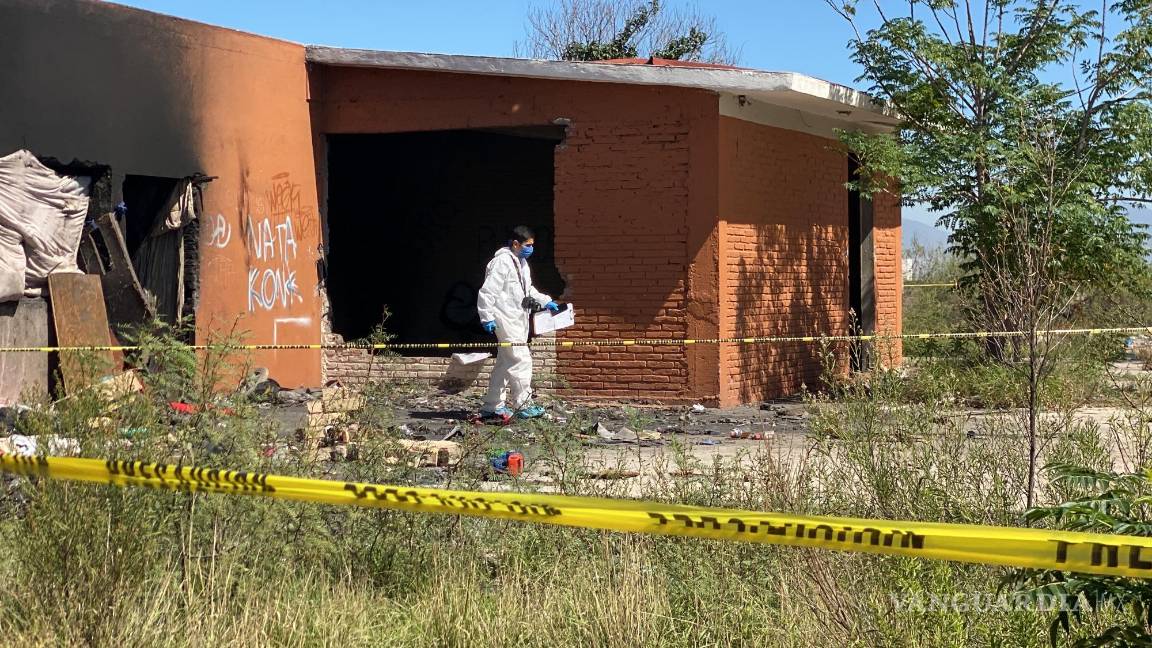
column 217, row 231
column 271, row 231
column 272, row 245
column 271, row 277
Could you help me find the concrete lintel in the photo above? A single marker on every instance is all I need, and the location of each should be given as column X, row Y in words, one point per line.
column 786, row 89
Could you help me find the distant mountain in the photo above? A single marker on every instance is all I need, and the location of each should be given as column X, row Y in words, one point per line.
column 934, row 237
column 926, row 235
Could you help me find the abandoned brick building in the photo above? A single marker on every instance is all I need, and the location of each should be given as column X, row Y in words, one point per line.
column 670, row 200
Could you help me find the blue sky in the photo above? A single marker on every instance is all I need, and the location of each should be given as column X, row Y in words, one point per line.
column 793, row 35
column 803, row 36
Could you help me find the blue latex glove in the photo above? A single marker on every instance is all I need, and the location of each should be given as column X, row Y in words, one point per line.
column 552, row 306
column 489, row 326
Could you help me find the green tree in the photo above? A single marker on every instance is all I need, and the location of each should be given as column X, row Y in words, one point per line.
column 1026, row 124
column 595, row 30
column 981, row 87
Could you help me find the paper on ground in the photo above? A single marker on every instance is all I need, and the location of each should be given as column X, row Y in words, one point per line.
column 470, row 358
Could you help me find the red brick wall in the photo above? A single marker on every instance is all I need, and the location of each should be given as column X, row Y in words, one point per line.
column 634, row 204
column 886, row 237
column 358, row 366
column 784, row 268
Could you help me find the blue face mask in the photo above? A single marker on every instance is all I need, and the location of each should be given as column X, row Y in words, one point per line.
column 526, row 251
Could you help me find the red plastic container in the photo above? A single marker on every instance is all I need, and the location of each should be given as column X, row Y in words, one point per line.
column 515, row 463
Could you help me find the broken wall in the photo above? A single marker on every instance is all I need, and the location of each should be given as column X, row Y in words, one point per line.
column 152, row 95
column 635, row 209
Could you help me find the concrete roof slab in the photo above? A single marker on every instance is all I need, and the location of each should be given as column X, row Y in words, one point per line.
column 853, row 108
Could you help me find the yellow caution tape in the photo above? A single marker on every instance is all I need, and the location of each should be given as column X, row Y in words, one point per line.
column 568, row 344
column 1112, row 555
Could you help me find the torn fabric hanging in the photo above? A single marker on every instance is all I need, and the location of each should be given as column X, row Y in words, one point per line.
column 41, row 220
column 159, row 260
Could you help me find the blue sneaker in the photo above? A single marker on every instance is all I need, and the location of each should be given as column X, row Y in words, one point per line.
column 530, row 412
column 498, row 413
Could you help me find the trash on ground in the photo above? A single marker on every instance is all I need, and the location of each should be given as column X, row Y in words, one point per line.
column 31, row 446
column 508, row 462
column 611, row 473
column 115, row 388
column 10, row 416
column 470, row 358
column 431, row 453
column 626, row 434
column 193, row 408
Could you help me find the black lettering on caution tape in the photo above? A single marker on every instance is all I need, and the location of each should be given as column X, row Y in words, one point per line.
column 183, row 478
column 843, row 534
column 469, row 503
column 1100, row 554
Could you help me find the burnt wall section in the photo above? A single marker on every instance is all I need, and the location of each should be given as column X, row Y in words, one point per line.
column 84, row 80
column 151, row 95
column 414, row 218
column 629, row 216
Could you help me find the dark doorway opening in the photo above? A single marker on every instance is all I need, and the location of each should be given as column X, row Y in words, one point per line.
column 414, row 218
column 861, row 268
column 163, row 246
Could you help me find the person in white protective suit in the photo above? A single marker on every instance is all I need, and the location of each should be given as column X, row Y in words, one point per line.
column 506, row 302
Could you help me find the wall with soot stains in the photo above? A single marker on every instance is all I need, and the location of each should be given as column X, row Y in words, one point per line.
column 153, row 95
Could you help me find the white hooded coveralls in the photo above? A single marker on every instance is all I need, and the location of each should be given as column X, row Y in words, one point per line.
column 507, row 280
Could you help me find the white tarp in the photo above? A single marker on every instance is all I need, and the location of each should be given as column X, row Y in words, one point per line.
column 41, row 221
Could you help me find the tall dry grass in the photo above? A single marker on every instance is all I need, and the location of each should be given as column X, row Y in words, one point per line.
column 93, row 565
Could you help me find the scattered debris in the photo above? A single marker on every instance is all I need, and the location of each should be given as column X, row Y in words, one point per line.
column 698, row 408
column 259, row 386
column 508, row 462
column 296, row 396
column 123, row 294
column 431, row 453
column 10, row 416
column 193, row 408
column 331, row 409
column 492, row 418
column 31, row 446
column 114, row 389
column 470, row 358
column 626, row 435
column 342, row 435
column 611, row 473
column 132, row 432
